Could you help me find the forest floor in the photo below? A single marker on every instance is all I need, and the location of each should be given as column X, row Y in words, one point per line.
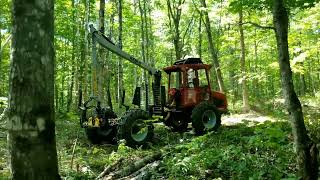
column 246, row 146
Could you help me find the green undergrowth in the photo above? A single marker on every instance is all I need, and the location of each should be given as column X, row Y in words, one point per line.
column 242, row 151
column 263, row 151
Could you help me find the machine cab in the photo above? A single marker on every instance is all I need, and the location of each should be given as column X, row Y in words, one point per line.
column 188, row 83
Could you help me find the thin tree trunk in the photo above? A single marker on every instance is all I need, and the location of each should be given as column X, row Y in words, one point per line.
column 305, row 149
column 146, row 44
column 143, row 51
column 174, row 14
column 200, row 36
column 70, row 91
column 62, row 95
column 82, row 66
column 150, row 38
column 101, row 51
column 212, row 49
column 86, row 42
column 31, row 124
column 245, row 96
column 109, row 69
column 256, row 84
column 0, row 59
column 56, row 97
column 120, row 68
column 303, row 84
column 0, row 52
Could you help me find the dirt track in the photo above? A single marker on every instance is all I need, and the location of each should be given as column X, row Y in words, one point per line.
column 233, row 119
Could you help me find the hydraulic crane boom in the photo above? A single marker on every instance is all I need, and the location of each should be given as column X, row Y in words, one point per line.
column 108, row 44
column 98, row 37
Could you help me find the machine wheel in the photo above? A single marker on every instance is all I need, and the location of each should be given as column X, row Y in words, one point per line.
column 104, row 133
column 177, row 122
column 92, row 135
column 134, row 129
column 205, row 117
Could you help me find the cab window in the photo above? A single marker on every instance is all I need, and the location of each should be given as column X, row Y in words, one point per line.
column 203, row 81
column 175, row 80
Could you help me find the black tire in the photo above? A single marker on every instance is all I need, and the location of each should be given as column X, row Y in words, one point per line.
column 105, row 133
column 128, row 129
column 205, row 117
column 92, row 135
column 178, row 122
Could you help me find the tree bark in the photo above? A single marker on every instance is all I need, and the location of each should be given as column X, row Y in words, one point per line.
column 256, row 84
column 86, row 42
column 71, row 82
column 174, row 14
column 101, row 50
column 305, row 149
column 245, row 96
column 0, row 57
column 146, row 44
column 200, row 36
column 120, row 68
column 0, row 50
column 212, row 49
column 108, row 66
column 31, row 125
column 143, row 50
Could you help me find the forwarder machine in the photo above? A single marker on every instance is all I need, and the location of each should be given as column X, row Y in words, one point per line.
column 190, row 99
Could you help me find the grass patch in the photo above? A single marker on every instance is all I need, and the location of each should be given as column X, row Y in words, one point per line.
column 261, row 151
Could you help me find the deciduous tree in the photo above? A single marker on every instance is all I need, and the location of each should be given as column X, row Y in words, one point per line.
column 31, row 125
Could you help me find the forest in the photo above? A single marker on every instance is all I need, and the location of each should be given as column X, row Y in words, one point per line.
column 160, row 89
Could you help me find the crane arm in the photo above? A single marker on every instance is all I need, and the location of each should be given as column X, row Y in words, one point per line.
column 108, row 44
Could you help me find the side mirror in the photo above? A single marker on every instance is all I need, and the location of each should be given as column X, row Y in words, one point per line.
column 137, row 97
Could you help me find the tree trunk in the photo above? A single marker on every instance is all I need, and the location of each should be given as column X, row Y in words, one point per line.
column 0, row 51
column 56, row 97
column 146, row 44
column 200, row 36
column 85, row 76
column 31, row 125
column 71, row 82
column 101, row 56
column 303, row 84
column 305, row 149
column 82, row 65
column 143, row 50
column 174, row 14
column 120, row 68
column 245, row 96
column 0, row 58
column 108, row 66
column 70, row 91
column 256, row 84
column 212, row 49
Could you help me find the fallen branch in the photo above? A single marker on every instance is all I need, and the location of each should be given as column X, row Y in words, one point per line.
column 259, row 26
column 134, row 167
column 143, row 173
column 5, row 43
column 3, row 119
column 73, row 150
column 110, row 168
column 4, row 114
